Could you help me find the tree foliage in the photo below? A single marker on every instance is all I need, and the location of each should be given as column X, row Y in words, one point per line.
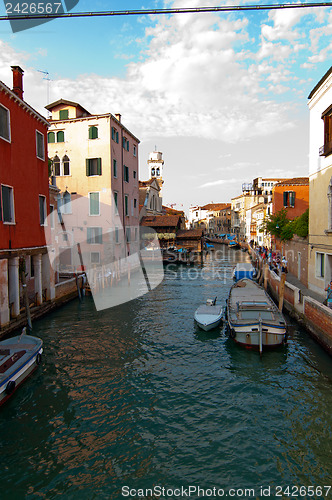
column 283, row 228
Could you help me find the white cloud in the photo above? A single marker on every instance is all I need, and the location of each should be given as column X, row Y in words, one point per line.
column 218, row 183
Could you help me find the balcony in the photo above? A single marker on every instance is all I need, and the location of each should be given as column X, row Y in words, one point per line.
column 326, row 149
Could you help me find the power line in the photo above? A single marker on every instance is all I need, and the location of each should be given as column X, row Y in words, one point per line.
column 142, row 12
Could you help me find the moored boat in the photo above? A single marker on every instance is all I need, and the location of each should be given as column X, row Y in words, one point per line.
column 244, row 270
column 253, row 318
column 19, row 356
column 209, row 315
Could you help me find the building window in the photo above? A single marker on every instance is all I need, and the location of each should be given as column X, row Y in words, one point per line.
column 116, row 202
column 4, row 123
column 95, row 257
column 40, row 150
column 126, row 202
column 134, row 150
column 116, row 234
column 125, row 173
column 93, row 132
column 94, row 203
column 52, row 216
column 136, row 233
column 320, row 265
column 327, row 118
column 93, row 166
column 42, row 210
column 128, row 234
column 135, row 203
column 115, row 168
column 125, row 143
column 56, row 166
column 60, row 136
column 61, row 168
column 289, row 199
column 115, row 135
column 94, row 235
column 134, row 174
column 66, row 165
column 7, row 202
column 51, row 137
column 66, row 205
column 64, row 114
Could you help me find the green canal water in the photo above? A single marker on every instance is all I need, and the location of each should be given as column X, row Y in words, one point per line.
column 137, row 396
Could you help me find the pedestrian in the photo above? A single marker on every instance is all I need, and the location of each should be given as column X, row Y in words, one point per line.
column 328, row 299
column 284, row 265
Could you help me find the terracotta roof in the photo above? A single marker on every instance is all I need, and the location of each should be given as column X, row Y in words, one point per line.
column 215, row 206
column 296, row 181
column 49, row 107
column 172, row 211
column 189, row 234
column 145, row 183
column 161, row 220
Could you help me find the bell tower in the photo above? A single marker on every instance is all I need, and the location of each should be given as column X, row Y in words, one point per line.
column 156, row 164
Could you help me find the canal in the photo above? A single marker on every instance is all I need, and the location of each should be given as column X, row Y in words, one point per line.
column 137, row 396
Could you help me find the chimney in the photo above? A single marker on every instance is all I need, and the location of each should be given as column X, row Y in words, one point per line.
column 18, row 81
column 118, row 117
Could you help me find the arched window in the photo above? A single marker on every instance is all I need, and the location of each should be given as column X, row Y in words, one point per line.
column 158, row 172
column 66, row 203
column 153, row 172
column 60, row 136
column 66, row 165
column 56, row 166
column 93, row 133
column 51, row 137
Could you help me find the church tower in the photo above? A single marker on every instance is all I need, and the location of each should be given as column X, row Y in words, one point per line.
column 156, row 164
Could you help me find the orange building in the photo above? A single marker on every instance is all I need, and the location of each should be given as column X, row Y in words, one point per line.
column 292, row 194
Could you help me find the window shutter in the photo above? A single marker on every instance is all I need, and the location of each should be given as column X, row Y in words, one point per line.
column 98, row 166
column 285, row 198
column 87, row 164
column 292, row 198
column 51, row 137
column 127, row 145
column 113, row 135
column 64, row 114
column 93, row 133
column 117, row 137
column 60, row 136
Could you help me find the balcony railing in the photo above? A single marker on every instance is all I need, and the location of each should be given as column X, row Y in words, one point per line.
column 326, row 149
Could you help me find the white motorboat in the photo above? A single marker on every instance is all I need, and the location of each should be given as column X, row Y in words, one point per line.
column 19, row 356
column 253, row 318
column 209, row 315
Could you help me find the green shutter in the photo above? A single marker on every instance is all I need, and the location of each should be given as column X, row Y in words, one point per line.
column 64, row 114
column 93, row 133
column 60, row 136
column 87, row 164
column 113, row 134
column 98, row 166
column 51, row 137
column 117, row 137
column 127, row 145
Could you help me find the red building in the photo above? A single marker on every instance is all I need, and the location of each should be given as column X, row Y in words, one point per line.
column 24, row 199
column 292, row 194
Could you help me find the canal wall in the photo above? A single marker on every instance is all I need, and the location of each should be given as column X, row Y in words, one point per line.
column 64, row 292
column 309, row 312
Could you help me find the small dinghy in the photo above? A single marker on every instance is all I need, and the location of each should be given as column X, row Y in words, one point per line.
column 19, row 356
column 209, row 315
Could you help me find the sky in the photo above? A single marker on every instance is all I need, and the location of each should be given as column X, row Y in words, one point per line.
column 224, row 96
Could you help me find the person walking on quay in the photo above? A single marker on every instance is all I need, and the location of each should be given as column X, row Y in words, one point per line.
column 328, row 299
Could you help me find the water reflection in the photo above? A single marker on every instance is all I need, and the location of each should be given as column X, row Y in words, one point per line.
column 137, row 395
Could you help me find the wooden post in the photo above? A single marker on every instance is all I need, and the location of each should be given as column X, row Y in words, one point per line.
column 266, row 274
column 26, row 297
column 282, row 290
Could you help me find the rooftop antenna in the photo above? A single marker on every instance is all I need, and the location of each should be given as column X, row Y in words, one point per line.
column 47, row 78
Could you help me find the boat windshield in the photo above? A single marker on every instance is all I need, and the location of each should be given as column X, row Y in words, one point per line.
column 255, row 315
